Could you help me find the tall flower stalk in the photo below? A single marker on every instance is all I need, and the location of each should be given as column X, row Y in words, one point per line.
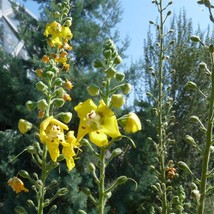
column 51, row 128
column 165, row 170
column 102, row 125
column 201, row 187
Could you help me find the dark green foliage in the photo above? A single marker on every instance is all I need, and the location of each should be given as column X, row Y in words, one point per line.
column 16, row 89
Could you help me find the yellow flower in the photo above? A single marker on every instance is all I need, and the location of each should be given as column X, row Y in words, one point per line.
column 99, row 121
column 52, row 134
column 68, row 149
column 68, row 85
column 131, row 123
column 66, row 97
column 17, row 185
column 58, row 34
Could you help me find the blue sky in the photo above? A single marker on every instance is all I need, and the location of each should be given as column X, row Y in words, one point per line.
column 136, row 17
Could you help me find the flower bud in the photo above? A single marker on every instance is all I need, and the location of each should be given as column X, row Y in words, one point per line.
column 110, row 72
column 65, row 116
column 58, row 102
column 117, row 100
column 56, row 14
column 131, row 123
column 53, row 208
column 49, row 74
column 24, row 174
column 182, row 165
column 59, row 92
column 126, row 88
column 98, row 63
column 93, row 90
column 62, row 191
column 107, row 54
column 191, row 85
column 117, row 152
column 91, row 167
column 42, row 104
column 24, row 126
column 30, row 105
column 87, row 191
column 202, row 65
column 117, row 60
column 120, row 76
column 188, row 139
column 121, row 180
column 40, row 86
column 30, row 203
column 195, row 38
column 58, row 82
column 68, row 23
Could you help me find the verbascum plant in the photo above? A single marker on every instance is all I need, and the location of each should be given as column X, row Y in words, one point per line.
column 201, row 187
column 55, row 142
column 169, row 199
column 99, row 121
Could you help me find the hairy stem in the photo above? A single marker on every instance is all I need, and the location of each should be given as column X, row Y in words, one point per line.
column 209, row 136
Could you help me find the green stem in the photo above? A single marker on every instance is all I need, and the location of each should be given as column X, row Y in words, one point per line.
column 160, row 109
column 41, row 192
column 102, row 200
column 206, row 156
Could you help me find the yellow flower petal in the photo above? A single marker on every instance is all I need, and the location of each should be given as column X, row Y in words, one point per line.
column 17, row 185
column 99, row 122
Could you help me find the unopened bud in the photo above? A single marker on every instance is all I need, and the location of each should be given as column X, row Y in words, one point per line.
column 119, row 76
column 126, row 88
column 93, row 90
column 30, row 203
column 40, row 86
column 195, row 38
column 65, row 116
column 91, row 167
column 58, row 102
column 190, row 140
column 24, row 126
column 42, row 104
column 107, row 54
column 117, row 100
column 191, row 85
column 62, row 191
column 87, row 191
column 24, row 174
column 110, row 72
column 30, row 105
column 53, row 208
column 98, row 63
column 68, row 23
column 49, row 74
column 182, row 165
column 121, row 180
column 117, row 60
column 117, row 152
column 59, row 92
